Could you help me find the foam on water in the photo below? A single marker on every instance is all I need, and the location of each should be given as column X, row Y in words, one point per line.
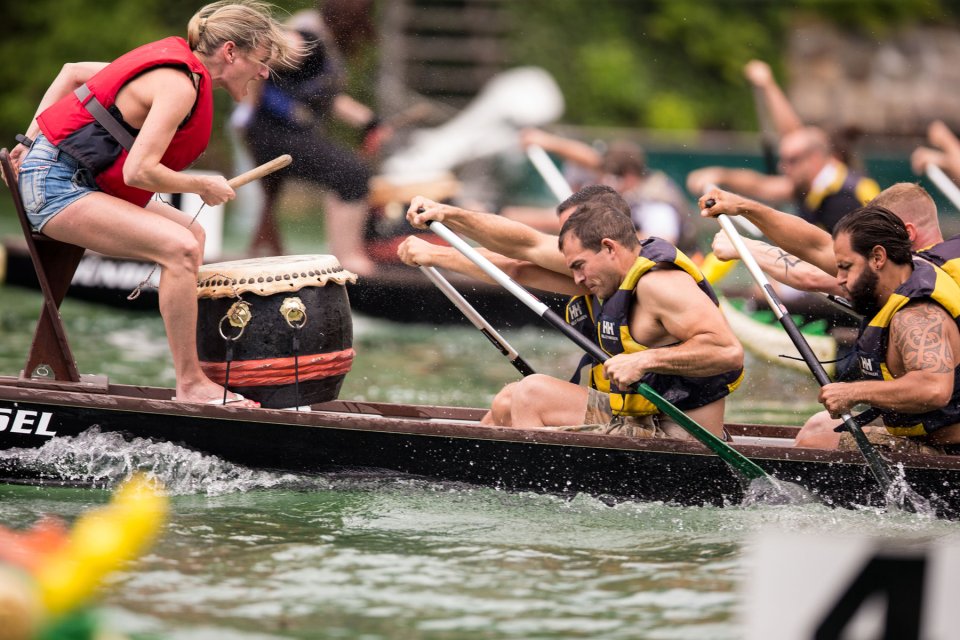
column 104, row 459
column 773, row 492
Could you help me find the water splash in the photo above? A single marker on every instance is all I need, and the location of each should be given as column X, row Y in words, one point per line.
column 769, row 491
column 104, row 459
column 900, row 496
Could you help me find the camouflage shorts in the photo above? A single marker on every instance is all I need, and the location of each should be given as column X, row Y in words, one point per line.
column 887, row 442
column 599, row 418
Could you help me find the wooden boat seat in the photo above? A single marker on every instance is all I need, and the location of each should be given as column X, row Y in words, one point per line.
column 55, row 263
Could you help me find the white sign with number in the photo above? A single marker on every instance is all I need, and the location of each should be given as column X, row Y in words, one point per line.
column 851, row 588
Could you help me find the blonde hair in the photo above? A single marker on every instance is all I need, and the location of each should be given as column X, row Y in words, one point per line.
column 911, row 203
column 247, row 23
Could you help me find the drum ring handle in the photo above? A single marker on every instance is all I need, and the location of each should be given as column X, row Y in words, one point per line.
column 239, row 316
column 294, row 312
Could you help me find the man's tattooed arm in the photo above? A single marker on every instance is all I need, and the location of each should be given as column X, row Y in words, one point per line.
column 919, row 335
column 781, row 257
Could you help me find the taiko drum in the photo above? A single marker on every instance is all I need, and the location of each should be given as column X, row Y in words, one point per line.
column 277, row 330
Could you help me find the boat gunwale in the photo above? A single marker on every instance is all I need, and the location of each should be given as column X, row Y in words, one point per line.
column 429, row 421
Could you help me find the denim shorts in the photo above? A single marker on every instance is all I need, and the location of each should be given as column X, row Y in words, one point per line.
column 49, row 181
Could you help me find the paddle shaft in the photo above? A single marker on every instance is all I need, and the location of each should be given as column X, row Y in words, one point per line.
column 944, row 183
column 740, row 463
column 477, row 320
column 549, row 172
column 878, row 466
column 258, row 172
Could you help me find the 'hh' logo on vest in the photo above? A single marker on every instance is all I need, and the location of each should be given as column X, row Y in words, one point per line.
column 608, row 328
column 576, row 312
column 866, row 365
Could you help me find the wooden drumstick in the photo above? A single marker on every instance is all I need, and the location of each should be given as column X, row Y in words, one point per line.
column 258, row 172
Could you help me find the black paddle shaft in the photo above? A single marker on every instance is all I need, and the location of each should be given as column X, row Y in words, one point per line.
column 878, row 466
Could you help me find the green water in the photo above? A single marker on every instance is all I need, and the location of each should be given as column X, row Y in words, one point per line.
column 248, row 554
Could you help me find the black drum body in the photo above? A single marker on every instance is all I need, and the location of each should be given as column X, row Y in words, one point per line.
column 291, row 342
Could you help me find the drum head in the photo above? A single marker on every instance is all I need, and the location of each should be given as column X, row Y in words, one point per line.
column 268, row 276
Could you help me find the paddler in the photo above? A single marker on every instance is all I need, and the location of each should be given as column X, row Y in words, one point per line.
column 645, row 303
column 823, row 188
column 905, row 356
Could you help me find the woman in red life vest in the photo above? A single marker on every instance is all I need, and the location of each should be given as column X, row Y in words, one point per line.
column 108, row 136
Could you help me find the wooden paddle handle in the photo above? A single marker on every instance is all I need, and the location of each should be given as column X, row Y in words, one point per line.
column 258, row 172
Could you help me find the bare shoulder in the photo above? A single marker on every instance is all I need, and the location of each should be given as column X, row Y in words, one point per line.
column 925, row 336
column 670, row 287
column 919, row 315
column 663, row 278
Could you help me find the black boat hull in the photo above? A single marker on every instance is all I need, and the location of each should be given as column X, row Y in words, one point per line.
column 446, row 444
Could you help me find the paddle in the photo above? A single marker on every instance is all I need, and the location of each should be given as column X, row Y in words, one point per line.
column 260, row 171
column 944, row 183
column 549, row 172
column 235, row 183
column 478, row 321
column 878, row 466
column 742, row 465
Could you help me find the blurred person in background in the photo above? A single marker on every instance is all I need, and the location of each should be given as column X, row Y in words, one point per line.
column 822, row 188
column 658, row 206
column 944, row 154
column 290, row 115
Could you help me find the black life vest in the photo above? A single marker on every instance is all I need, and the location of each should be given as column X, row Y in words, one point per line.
column 608, row 325
column 927, row 282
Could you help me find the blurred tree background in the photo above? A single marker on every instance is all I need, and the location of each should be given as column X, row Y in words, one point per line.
column 657, row 64
column 678, row 64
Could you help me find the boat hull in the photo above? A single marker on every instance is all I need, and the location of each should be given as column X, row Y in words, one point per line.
column 448, row 444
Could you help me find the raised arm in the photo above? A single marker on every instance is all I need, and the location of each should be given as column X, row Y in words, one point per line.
column 791, row 233
column 496, row 233
column 777, row 188
column 946, row 155
column 780, row 265
column 781, row 112
column 567, row 148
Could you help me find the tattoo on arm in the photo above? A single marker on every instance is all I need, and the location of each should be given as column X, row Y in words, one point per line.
column 918, row 333
column 788, row 259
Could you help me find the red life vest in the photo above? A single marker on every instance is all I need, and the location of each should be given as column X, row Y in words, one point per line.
column 73, row 129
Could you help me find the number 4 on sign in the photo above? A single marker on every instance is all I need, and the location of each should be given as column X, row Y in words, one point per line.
column 837, row 588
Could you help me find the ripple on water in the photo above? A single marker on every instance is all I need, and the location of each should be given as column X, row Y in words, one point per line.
column 252, row 554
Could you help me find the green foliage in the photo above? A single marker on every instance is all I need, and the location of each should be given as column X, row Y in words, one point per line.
column 679, row 63
column 42, row 35
column 637, row 63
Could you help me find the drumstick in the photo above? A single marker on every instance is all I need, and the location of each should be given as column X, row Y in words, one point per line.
column 258, row 172
column 248, row 176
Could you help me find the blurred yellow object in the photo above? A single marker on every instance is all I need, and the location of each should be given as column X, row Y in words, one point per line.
column 100, row 542
column 714, row 269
